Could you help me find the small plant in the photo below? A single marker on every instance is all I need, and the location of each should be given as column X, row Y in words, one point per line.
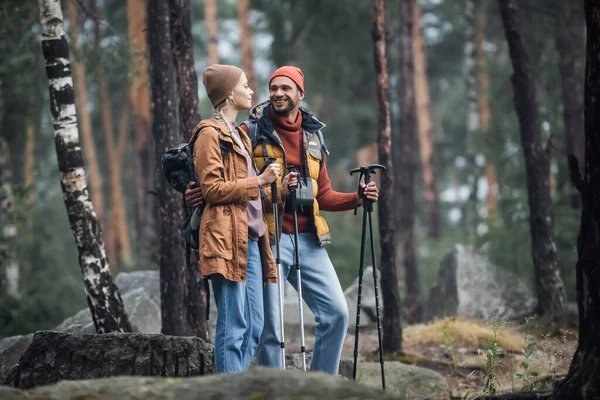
column 449, row 344
column 492, row 352
column 527, row 378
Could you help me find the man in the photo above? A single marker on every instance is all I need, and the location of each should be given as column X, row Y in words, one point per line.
column 282, row 129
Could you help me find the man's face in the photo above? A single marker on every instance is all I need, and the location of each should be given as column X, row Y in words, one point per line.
column 284, row 95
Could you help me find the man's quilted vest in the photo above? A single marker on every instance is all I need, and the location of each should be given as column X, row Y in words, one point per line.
column 266, row 143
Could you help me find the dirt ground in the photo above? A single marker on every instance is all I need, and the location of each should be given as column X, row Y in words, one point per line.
column 462, row 350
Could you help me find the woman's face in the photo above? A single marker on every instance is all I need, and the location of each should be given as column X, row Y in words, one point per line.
column 242, row 94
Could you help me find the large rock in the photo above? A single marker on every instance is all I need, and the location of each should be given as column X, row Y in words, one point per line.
column 257, row 383
column 469, row 284
column 11, row 349
column 149, row 280
column 368, row 311
column 55, row 356
column 401, row 379
column 143, row 313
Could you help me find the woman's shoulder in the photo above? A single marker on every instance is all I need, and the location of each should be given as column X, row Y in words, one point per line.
column 208, row 127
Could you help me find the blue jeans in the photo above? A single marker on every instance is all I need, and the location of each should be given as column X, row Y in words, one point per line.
column 322, row 293
column 240, row 316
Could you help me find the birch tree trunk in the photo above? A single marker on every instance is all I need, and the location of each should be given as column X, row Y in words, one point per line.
column 549, row 285
column 246, row 44
column 425, row 129
column 164, row 123
column 189, row 115
column 210, row 17
column 102, row 294
column 9, row 267
column 86, row 124
column 391, row 326
column 404, row 166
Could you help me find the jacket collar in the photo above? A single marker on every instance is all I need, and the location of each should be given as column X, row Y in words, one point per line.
column 261, row 114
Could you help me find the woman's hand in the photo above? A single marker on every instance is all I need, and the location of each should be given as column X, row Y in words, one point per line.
column 269, row 175
column 290, row 180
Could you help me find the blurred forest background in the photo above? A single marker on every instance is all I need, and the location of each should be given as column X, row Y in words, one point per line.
column 477, row 172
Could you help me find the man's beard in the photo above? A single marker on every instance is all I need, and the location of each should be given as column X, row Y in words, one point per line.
column 284, row 112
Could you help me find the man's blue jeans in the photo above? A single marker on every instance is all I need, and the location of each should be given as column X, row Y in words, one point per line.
column 322, row 293
column 240, row 315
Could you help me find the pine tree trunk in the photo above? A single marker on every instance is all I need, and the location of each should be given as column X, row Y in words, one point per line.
column 571, row 109
column 30, row 144
column 117, row 214
column 483, row 86
column 246, row 44
column 549, row 285
column 120, row 217
column 189, row 116
column 210, row 16
column 404, row 166
column 425, row 129
column 86, row 123
column 9, row 266
column 582, row 382
column 391, row 326
column 103, row 296
column 164, row 124
column 139, row 100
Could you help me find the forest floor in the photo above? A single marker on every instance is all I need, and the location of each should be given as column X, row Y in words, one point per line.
column 472, row 353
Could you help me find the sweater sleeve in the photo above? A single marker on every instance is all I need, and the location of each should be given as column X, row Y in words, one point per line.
column 329, row 199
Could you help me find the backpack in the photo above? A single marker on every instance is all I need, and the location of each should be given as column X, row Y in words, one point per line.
column 178, row 169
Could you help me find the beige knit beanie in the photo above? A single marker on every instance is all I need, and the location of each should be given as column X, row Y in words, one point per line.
column 219, row 81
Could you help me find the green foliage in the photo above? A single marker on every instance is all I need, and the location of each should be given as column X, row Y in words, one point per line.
column 523, row 373
column 492, row 353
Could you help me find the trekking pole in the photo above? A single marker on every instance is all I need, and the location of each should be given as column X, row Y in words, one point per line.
column 294, row 205
column 281, row 280
column 366, row 172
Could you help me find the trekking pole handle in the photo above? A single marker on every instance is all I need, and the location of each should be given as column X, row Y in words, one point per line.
column 269, row 161
column 366, row 172
column 291, row 168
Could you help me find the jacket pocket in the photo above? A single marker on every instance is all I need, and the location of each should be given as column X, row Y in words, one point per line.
column 217, row 238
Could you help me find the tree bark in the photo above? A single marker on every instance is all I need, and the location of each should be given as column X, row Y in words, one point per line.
column 86, row 123
column 404, row 166
column 572, row 118
column 246, row 44
column 139, row 100
column 483, row 87
column 118, row 221
column 189, row 116
column 583, row 382
column 392, row 328
column 164, row 123
column 212, row 26
column 549, row 285
column 425, row 129
column 102, row 294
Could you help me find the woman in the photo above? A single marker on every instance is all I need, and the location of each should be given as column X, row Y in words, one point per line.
column 234, row 249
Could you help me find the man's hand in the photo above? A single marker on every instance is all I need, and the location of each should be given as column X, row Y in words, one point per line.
column 290, row 180
column 369, row 191
column 193, row 195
